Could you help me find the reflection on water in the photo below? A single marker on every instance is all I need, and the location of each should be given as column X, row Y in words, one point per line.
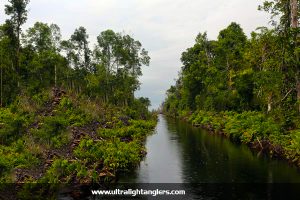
column 180, row 153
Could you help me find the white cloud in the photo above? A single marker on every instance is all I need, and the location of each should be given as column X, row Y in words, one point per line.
column 165, row 27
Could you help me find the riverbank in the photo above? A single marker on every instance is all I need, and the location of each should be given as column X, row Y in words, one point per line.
column 255, row 129
column 60, row 138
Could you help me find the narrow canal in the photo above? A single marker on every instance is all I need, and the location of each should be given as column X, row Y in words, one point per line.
column 180, row 153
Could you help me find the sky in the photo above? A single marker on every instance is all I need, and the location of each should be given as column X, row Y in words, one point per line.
column 165, row 28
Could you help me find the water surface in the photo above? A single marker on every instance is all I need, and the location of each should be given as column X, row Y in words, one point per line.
column 180, row 153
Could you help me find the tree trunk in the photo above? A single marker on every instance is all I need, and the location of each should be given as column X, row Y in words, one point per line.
column 270, row 103
column 55, row 74
column 18, row 54
column 294, row 13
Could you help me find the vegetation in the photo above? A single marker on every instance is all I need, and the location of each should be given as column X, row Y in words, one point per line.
column 246, row 88
column 38, row 58
column 68, row 113
column 69, row 143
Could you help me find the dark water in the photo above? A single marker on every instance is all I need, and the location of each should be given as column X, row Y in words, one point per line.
column 180, row 153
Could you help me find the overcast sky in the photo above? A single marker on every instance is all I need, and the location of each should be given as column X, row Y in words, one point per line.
column 164, row 27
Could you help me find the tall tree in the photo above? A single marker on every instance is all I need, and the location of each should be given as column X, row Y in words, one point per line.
column 231, row 43
column 18, row 12
column 44, row 40
column 7, row 52
column 264, row 56
column 287, row 26
column 122, row 57
column 81, row 44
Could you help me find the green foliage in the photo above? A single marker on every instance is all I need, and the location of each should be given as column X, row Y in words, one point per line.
column 70, row 112
column 90, row 151
column 100, row 86
column 136, row 129
column 118, row 148
column 41, row 98
column 40, row 59
column 292, row 145
column 15, row 156
column 114, row 154
column 238, row 74
column 111, row 153
column 249, row 126
column 12, row 125
column 247, row 88
column 244, row 127
column 62, row 171
column 121, row 155
column 138, row 109
column 52, row 131
column 143, row 124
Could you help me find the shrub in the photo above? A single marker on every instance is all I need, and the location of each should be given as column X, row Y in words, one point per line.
column 115, row 155
column 136, row 129
column 293, row 147
column 90, row 150
column 244, row 127
column 12, row 125
column 15, row 156
column 62, row 171
column 53, row 131
column 73, row 115
column 120, row 155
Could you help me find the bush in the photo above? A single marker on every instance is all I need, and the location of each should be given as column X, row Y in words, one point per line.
column 63, row 171
column 15, row 156
column 52, row 132
column 248, row 126
column 121, row 155
column 73, row 115
column 293, row 145
column 90, row 151
column 136, row 129
column 244, row 127
column 12, row 125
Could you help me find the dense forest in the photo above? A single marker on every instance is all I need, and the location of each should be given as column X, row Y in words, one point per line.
column 68, row 113
column 246, row 88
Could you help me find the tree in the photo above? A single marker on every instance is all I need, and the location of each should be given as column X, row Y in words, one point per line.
column 3, row 61
column 287, row 28
column 264, row 55
column 145, row 101
column 80, row 41
column 44, row 41
column 43, row 37
column 231, row 43
column 8, row 75
column 18, row 12
column 196, row 61
column 122, row 57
